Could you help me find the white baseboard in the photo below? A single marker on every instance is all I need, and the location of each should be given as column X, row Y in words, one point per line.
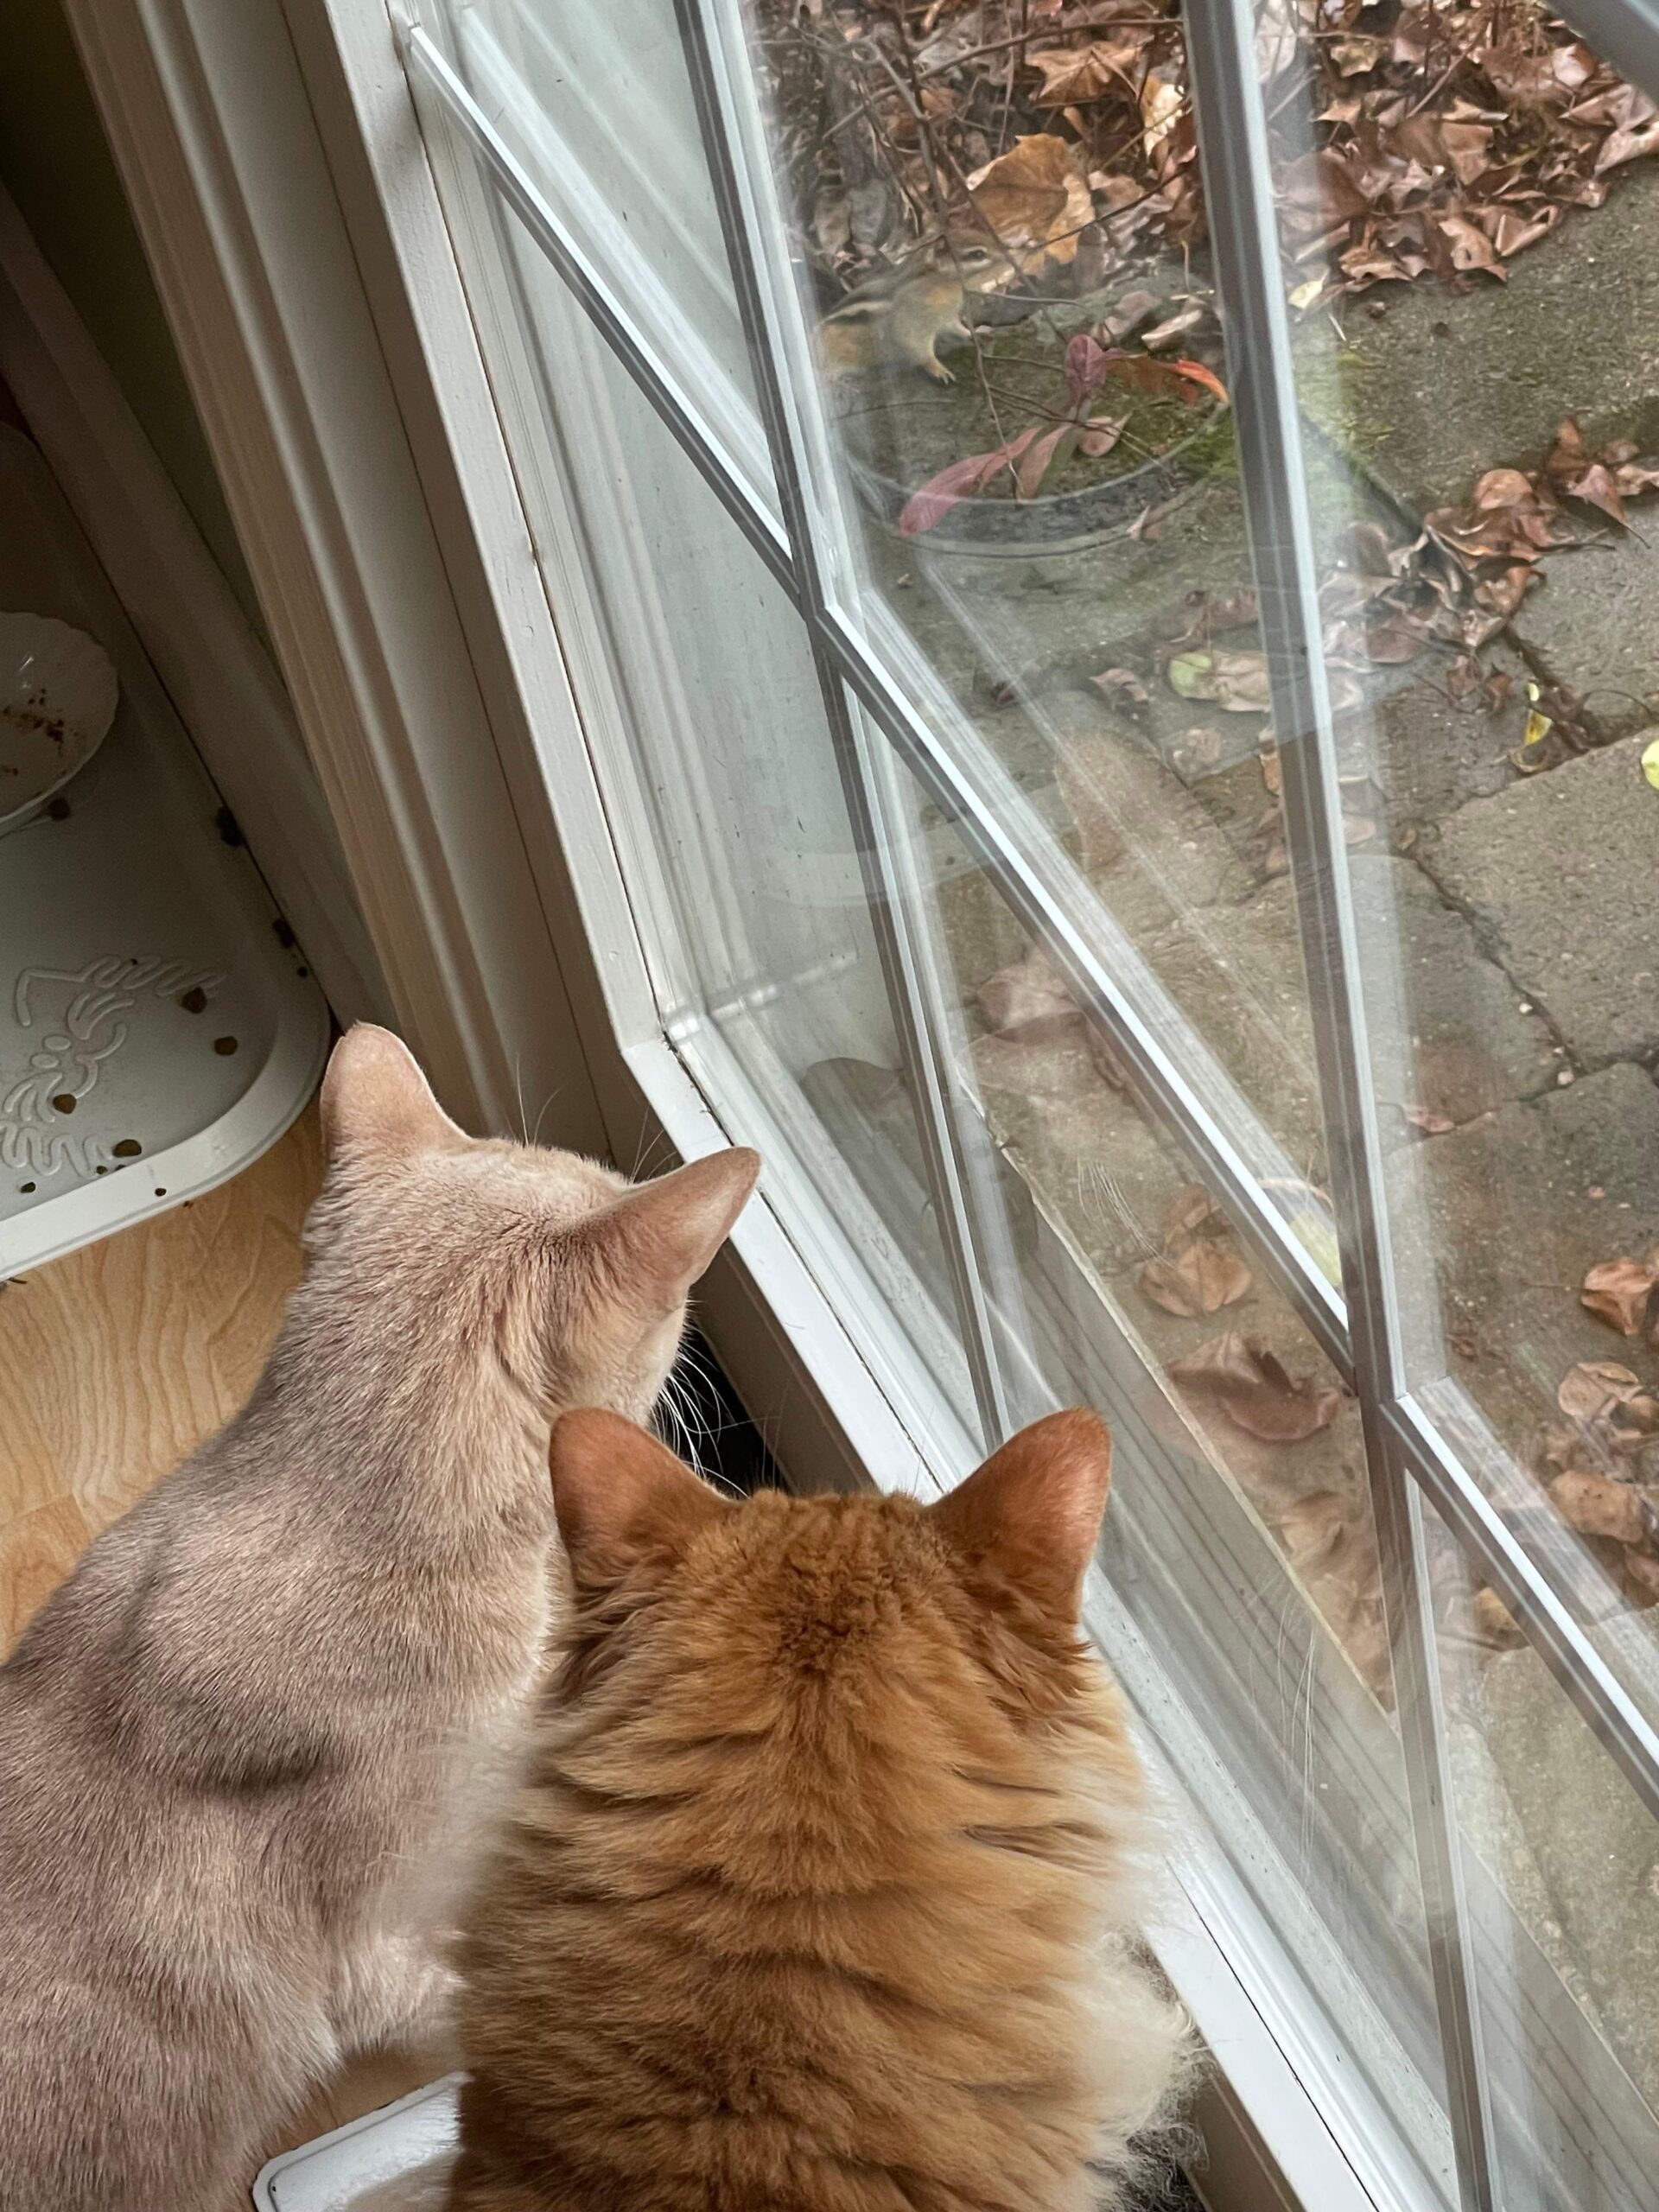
column 219, row 675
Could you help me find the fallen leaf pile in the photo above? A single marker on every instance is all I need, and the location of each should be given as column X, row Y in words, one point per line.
column 1454, row 136
column 1448, row 134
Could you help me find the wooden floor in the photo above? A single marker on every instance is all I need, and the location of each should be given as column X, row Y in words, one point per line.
column 115, row 1363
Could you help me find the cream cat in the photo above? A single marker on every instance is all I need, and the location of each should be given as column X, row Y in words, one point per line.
column 243, row 1749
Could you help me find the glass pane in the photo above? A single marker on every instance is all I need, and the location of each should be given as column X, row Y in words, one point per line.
column 1245, row 1612
column 1562, row 1868
column 1476, row 413
column 996, row 225
column 592, row 98
column 720, row 780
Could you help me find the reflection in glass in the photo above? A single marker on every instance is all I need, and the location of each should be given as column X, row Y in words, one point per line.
column 593, row 103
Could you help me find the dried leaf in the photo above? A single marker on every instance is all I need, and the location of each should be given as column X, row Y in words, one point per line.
column 1204, row 1276
column 1597, row 1505
column 1123, row 688
column 1033, row 197
column 1602, row 1390
column 1197, row 751
column 960, row 480
column 1087, row 363
column 1255, row 1391
column 1126, row 317
column 1622, row 146
column 1173, row 327
column 1431, row 1123
column 1237, row 682
column 1311, row 1528
column 1189, row 1208
column 1358, row 56
column 1620, row 1293
column 1101, row 433
column 1086, row 73
column 1053, row 449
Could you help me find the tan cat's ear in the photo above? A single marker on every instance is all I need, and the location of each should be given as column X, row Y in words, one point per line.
column 619, row 1492
column 375, row 1098
column 658, row 1239
column 1033, row 1512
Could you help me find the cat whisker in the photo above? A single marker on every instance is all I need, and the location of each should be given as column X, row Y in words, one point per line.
column 535, row 1134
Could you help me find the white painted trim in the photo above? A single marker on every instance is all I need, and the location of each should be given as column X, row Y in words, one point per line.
column 214, row 668
column 212, row 126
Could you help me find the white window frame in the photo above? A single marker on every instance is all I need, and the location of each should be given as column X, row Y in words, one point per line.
column 280, row 180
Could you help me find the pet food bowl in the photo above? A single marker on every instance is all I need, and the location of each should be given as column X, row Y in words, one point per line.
column 57, row 700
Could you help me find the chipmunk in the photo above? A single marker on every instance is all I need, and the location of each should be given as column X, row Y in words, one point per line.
column 896, row 318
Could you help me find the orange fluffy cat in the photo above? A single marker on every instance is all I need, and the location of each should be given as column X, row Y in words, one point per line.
column 820, row 1894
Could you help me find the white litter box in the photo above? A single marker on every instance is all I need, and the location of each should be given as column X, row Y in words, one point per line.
column 158, row 1025
column 394, row 2160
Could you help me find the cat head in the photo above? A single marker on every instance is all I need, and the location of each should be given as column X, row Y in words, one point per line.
column 977, row 1595
column 575, row 1277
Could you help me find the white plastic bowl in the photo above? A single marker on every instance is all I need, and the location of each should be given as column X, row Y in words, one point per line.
column 58, row 693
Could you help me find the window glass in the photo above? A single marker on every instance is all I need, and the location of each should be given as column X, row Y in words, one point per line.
column 993, row 300
column 1019, row 352
column 1560, row 1865
column 1486, row 596
column 722, row 778
column 594, row 104
column 1245, row 1604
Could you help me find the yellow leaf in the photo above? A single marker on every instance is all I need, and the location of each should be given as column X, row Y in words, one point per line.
column 1650, row 763
column 1539, row 726
column 1305, row 294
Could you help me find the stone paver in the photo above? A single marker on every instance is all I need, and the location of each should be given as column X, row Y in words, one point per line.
column 1561, row 870
column 1438, row 388
column 1446, row 1030
column 1425, row 753
column 1495, row 1226
column 1593, row 624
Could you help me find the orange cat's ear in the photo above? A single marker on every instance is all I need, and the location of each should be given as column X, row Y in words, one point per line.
column 1031, row 1513
column 376, row 1099
column 658, row 1239
column 619, row 1493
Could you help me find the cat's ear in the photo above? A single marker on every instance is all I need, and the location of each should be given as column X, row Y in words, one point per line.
column 376, row 1099
column 659, row 1238
column 620, row 1494
column 1031, row 1515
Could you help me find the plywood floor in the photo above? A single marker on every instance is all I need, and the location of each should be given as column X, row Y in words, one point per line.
column 115, row 1363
